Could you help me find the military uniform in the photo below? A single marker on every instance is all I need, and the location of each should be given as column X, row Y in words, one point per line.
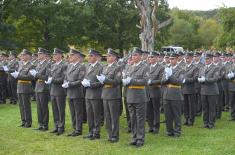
column 3, row 82
column 74, row 75
column 137, row 98
column 111, row 95
column 13, row 65
column 209, row 93
column 58, row 94
column 172, row 100
column 155, row 94
column 93, row 99
column 24, row 91
column 189, row 92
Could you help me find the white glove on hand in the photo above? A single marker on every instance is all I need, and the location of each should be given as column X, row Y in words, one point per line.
column 15, row 74
column 33, row 72
column 65, row 85
column 49, row 80
column 183, row 81
column 126, row 81
column 5, row 68
column 230, row 75
column 86, row 83
column 168, row 71
column 149, row 81
column 101, row 78
column 203, row 78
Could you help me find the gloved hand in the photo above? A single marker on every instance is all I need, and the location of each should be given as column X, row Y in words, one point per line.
column 149, row 81
column 86, row 83
column 49, row 80
column 15, row 74
column 5, row 68
column 33, row 72
column 65, row 85
column 230, row 75
column 126, row 81
column 101, row 78
column 183, row 81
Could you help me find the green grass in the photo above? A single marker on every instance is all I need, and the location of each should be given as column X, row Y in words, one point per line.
column 194, row 140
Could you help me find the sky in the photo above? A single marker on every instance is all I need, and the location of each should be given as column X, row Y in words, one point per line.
column 200, row 4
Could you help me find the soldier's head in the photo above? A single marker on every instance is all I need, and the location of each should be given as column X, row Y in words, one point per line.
column 42, row 54
column 216, row 57
column 93, row 56
column 208, row 58
column 74, row 55
column 161, row 57
column 174, row 58
column 153, row 57
column 12, row 55
column 112, row 56
column 57, row 55
column 34, row 56
column 197, row 56
column 130, row 60
column 189, row 57
column 136, row 55
column 25, row 55
column 145, row 55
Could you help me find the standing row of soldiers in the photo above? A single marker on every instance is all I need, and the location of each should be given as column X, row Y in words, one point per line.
column 177, row 82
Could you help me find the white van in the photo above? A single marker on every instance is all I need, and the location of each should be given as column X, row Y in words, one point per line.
column 170, row 49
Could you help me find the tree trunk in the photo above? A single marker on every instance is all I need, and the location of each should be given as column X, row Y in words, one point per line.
column 148, row 23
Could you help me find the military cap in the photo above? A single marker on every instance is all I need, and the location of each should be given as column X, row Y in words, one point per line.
column 217, row 54
column 189, row 54
column 137, row 50
column 82, row 55
column 58, row 51
column 208, row 55
column 174, row 55
column 197, row 54
column 146, row 52
column 43, row 51
column 3, row 54
column 180, row 53
column 34, row 54
column 230, row 54
column 161, row 54
column 94, row 52
column 26, row 52
column 112, row 52
column 154, row 53
column 74, row 51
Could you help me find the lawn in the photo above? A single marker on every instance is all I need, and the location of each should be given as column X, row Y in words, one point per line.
column 194, row 140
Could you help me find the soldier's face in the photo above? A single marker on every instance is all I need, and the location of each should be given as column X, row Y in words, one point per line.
column 208, row 61
column 57, row 57
column 110, row 58
column 41, row 57
column 92, row 58
column 152, row 60
column 173, row 61
column 196, row 59
column 73, row 58
column 136, row 57
column 216, row 59
column 25, row 57
column 188, row 60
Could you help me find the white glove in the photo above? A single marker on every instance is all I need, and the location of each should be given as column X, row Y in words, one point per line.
column 168, row 71
column 149, row 81
column 123, row 74
column 101, row 78
column 33, row 72
column 183, row 81
column 49, row 80
column 126, row 81
column 15, row 74
column 230, row 75
column 5, row 68
column 65, row 85
column 86, row 83
column 203, row 78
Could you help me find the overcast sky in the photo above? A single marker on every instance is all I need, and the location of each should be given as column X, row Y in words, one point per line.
column 200, row 4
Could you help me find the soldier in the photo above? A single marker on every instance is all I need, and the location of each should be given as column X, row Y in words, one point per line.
column 208, row 77
column 219, row 104
column 125, row 74
column 57, row 92
column 153, row 106
column 229, row 75
column 199, row 65
column 137, row 97
column 12, row 66
column 81, row 61
column 24, row 88
column 93, row 95
column 3, row 78
column 34, row 62
column 41, row 89
column 74, row 75
column 172, row 96
column 111, row 94
column 189, row 92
